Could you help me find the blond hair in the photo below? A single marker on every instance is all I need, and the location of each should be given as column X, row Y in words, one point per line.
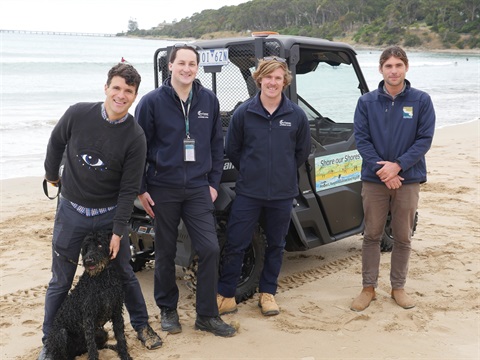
column 266, row 67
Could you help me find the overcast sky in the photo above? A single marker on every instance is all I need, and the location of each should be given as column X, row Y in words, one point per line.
column 98, row 16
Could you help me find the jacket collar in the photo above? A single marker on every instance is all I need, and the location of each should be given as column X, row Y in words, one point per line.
column 257, row 107
column 167, row 83
column 381, row 89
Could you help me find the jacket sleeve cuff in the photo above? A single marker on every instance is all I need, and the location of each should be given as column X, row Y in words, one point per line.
column 119, row 229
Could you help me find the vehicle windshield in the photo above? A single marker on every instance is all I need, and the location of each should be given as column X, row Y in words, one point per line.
column 329, row 91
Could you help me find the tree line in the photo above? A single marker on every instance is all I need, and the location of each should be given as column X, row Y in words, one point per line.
column 452, row 23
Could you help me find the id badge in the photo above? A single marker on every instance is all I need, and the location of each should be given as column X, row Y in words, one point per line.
column 188, row 149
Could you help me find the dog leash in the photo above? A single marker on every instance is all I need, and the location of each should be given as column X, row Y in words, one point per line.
column 45, row 189
column 65, row 258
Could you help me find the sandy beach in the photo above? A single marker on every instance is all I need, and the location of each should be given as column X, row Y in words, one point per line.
column 315, row 287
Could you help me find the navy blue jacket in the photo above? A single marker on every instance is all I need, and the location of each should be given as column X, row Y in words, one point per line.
column 397, row 130
column 267, row 150
column 160, row 115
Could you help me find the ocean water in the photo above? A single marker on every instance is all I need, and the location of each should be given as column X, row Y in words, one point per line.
column 41, row 75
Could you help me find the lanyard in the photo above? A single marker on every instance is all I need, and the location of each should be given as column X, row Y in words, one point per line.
column 186, row 112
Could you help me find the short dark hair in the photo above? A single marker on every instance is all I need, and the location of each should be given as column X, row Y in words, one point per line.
column 176, row 47
column 127, row 72
column 396, row 51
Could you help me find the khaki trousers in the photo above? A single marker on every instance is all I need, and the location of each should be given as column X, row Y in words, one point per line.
column 402, row 203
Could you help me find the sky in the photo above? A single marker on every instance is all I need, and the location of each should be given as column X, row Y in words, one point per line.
column 98, row 16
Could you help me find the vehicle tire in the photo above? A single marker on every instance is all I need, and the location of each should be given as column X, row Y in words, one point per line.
column 251, row 267
column 387, row 239
column 138, row 264
column 252, row 262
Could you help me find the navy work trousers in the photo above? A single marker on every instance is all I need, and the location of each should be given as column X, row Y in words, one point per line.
column 195, row 207
column 244, row 216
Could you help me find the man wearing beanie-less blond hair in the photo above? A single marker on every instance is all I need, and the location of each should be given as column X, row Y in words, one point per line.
column 267, row 140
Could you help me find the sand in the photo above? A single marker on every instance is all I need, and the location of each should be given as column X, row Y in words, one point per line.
column 316, row 287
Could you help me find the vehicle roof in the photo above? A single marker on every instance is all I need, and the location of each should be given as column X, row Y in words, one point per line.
column 287, row 40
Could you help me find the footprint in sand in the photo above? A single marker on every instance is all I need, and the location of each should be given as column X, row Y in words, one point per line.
column 357, row 323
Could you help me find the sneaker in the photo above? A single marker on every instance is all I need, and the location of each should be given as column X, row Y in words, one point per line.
column 226, row 305
column 215, row 325
column 149, row 337
column 44, row 355
column 170, row 321
column 267, row 304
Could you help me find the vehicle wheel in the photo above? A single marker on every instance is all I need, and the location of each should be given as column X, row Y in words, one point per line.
column 387, row 239
column 252, row 264
column 138, row 264
column 252, row 267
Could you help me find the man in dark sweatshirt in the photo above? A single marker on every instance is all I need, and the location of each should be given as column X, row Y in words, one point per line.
column 104, row 152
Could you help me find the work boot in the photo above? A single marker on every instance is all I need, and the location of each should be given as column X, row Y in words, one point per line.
column 170, row 321
column 363, row 300
column 215, row 325
column 149, row 337
column 226, row 305
column 267, row 304
column 402, row 299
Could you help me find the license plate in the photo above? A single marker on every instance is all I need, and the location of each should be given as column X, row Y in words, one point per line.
column 213, row 57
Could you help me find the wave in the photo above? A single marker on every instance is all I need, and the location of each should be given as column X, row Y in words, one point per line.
column 67, row 61
column 27, row 125
column 459, row 123
column 415, row 64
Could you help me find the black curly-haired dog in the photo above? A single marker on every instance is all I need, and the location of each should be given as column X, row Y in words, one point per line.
column 97, row 298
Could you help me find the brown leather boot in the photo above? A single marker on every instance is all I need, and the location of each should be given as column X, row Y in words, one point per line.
column 363, row 300
column 226, row 305
column 402, row 299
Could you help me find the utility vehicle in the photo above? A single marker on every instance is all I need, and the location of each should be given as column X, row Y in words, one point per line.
column 327, row 82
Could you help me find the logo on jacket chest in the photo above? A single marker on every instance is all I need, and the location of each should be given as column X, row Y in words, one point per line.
column 285, row 123
column 202, row 115
column 408, row 112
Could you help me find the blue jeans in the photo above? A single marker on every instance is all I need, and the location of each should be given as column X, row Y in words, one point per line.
column 195, row 208
column 244, row 216
column 69, row 230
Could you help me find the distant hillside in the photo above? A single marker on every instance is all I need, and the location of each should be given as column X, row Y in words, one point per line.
column 430, row 24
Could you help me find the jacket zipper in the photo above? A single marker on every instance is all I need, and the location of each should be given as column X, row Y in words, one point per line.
column 269, row 163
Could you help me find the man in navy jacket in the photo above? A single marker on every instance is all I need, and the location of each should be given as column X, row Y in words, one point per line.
column 182, row 125
column 394, row 128
column 268, row 139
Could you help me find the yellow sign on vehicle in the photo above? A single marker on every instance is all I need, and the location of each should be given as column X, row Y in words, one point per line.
column 337, row 169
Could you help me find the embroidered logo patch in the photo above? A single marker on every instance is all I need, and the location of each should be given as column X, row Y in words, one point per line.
column 408, row 112
column 285, row 123
column 202, row 115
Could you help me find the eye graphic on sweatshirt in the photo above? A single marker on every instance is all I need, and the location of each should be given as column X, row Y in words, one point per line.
column 93, row 162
